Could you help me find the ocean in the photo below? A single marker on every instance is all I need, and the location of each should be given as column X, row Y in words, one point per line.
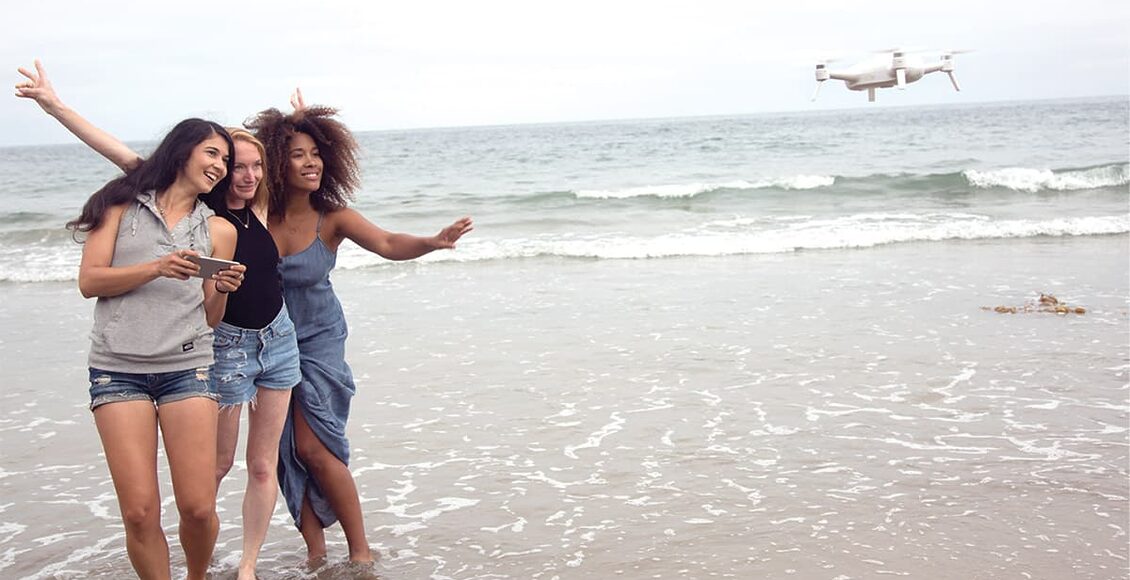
column 748, row 346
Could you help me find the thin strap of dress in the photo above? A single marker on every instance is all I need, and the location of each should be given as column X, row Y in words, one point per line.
column 318, row 228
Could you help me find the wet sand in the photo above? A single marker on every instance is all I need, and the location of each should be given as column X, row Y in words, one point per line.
column 829, row 414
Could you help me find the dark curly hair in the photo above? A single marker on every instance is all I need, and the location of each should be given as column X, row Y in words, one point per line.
column 338, row 149
column 158, row 172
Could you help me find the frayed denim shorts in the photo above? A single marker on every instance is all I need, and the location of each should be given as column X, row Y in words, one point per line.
column 247, row 358
column 160, row 388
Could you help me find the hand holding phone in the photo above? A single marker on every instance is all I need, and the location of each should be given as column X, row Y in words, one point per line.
column 209, row 265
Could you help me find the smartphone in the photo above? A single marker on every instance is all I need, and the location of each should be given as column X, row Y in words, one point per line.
column 209, row 265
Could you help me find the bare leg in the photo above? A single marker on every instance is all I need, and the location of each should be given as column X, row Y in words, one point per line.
column 227, row 439
column 266, row 420
column 312, row 534
column 129, row 438
column 189, row 429
column 336, row 482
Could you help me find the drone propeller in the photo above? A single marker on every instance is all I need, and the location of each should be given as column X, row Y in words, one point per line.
column 902, row 49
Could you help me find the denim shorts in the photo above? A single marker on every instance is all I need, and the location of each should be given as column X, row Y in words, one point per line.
column 160, row 388
column 246, row 359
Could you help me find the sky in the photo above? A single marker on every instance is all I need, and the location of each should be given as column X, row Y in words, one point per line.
column 135, row 68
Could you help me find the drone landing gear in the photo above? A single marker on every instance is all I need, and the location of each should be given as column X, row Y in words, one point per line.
column 871, row 95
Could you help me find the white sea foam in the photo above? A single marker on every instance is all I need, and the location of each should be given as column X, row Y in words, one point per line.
column 862, row 231
column 736, row 236
column 693, row 189
column 1032, row 180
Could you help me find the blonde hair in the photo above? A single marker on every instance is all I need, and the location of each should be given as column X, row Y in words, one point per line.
column 262, row 192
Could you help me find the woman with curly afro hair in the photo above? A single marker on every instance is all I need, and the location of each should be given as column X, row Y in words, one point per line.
column 312, row 173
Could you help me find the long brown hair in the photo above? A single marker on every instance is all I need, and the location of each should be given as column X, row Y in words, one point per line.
column 158, row 172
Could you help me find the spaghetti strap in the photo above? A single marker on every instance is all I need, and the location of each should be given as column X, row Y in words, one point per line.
column 318, row 228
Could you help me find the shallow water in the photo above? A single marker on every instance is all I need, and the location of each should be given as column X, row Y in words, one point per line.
column 829, row 414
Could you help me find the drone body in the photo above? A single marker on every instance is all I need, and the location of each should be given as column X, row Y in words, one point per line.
column 892, row 69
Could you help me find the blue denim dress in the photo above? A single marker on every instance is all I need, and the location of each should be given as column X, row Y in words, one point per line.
column 326, row 389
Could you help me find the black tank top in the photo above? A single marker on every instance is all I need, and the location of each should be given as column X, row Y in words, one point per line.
column 259, row 299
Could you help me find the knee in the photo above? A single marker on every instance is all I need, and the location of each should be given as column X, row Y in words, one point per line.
column 223, row 466
column 312, row 452
column 143, row 517
column 261, row 470
column 196, row 512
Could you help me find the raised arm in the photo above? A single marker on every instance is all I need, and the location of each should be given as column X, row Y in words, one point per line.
column 39, row 89
column 349, row 224
column 296, row 100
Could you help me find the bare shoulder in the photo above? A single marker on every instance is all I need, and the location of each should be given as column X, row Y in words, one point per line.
column 343, row 215
column 222, row 229
column 220, row 225
column 112, row 218
column 342, row 222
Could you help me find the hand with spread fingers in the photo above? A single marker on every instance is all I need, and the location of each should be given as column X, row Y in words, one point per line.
column 297, row 101
column 229, row 279
column 447, row 237
column 38, row 88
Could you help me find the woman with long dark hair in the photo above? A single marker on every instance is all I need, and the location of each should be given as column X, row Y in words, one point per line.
column 151, row 346
column 255, row 349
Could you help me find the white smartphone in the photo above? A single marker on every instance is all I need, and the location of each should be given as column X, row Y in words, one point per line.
column 209, row 265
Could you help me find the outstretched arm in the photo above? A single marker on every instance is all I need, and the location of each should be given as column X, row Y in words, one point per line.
column 39, row 89
column 349, row 224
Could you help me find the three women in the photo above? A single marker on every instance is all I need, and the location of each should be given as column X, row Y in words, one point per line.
column 311, row 166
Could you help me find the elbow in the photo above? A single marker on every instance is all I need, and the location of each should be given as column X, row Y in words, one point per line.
column 130, row 162
column 86, row 288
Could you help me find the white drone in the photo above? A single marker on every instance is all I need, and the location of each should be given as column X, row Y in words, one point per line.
column 892, row 69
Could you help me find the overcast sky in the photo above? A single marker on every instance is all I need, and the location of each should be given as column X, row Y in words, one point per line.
column 137, row 67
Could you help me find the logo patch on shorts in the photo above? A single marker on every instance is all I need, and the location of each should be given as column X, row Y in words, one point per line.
column 187, row 346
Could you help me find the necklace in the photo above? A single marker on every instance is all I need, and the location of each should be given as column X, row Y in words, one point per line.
column 161, row 211
column 164, row 218
column 244, row 221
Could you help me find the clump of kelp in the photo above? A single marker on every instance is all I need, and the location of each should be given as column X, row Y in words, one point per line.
column 1046, row 303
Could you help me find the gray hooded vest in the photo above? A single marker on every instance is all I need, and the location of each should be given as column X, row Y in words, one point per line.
column 160, row 326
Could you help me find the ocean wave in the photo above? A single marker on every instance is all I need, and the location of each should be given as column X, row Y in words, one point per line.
column 852, row 232
column 1022, row 179
column 693, row 189
column 719, row 237
column 1033, row 180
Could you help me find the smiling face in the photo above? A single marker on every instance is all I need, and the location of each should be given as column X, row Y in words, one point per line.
column 247, row 175
column 304, row 164
column 207, row 164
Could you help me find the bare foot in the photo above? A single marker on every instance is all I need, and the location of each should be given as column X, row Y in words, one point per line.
column 315, row 561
